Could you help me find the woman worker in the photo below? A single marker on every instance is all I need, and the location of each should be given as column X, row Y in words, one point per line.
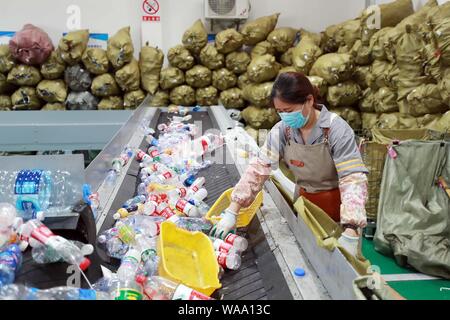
column 320, row 149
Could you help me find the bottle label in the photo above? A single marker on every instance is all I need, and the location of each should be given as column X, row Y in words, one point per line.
column 129, row 294
column 154, row 153
column 183, row 192
column 167, row 213
column 154, row 168
column 154, row 198
column 181, row 205
column 9, row 259
column 42, row 234
column 148, row 254
column 167, row 175
column 27, row 182
column 195, row 189
column 222, row 259
column 140, row 155
column 184, row 293
column 222, row 246
column 231, row 238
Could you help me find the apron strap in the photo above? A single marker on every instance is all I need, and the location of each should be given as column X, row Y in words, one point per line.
column 326, row 131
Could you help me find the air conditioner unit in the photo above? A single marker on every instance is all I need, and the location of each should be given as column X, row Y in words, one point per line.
column 227, row 9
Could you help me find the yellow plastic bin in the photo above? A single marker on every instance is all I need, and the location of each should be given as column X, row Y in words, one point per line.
column 188, row 258
column 245, row 215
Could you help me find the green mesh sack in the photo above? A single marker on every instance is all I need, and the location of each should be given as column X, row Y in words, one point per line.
column 133, row 99
column 229, row 40
column 334, row 67
column 286, row 58
column 211, row 58
column 72, row 46
column 263, row 48
column 243, row 81
column 237, row 62
column 129, row 77
column 361, row 53
column 54, row 67
column 386, row 101
column 232, row 98
column 287, row 69
column 208, row 96
column 320, row 83
column 160, row 99
column 368, row 101
column 96, row 61
column 305, row 54
column 223, row 79
column 25, row 98
column 5, row 87
column 360, row 76
column 151, row 61
column 183, row 96
column 5, row 103
column 198, row 77
column 170, row 78
column 258, row 94
column 425, row 99
column 23, row 75
column 6, row 59
column 196, row 37
column 52, row 91
column 257, row 30
column 369, row 120
column 343, row 94
column 180, row 57
column 350, row 115
column 282, row 38
column 104, row 86
column 120, row 48
column 263, row 68
column 260, row 118
column 111, row 103
column 56, row 106
column 396, row 121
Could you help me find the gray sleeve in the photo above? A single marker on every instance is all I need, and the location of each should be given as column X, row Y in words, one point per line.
column 273, row 149
column 344, row 149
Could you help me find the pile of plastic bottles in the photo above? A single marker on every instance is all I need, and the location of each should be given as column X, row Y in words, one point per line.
column 170, row 189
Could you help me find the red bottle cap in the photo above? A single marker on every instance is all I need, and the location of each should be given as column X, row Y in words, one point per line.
column 85, row 264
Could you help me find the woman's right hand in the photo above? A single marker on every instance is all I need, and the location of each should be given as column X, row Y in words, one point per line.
column 228, row 222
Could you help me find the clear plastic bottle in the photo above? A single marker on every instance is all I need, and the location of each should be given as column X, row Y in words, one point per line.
column 159, row 288
column 165, row 211
column 230, row 261
column 192, row 224
column 240, row 243
column 184, row 207
column 129, row 289
column 46, row 254
column 17, row 292
column 134, row 209
column 207, row 143
column 143, row 225
column 222, row 246
column 196, row 186
column 70, row 293
column 109, row 241
column 10, row 263
column 133, row 201
column 125, row 233
column 8, row 221
column 150, row 260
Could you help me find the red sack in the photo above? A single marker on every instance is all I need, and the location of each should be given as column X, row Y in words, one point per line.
column 31, row 45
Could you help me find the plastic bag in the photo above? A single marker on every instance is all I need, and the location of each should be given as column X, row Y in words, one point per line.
column 160, row 99
column 52, row 91
column 232, row 98
column 320, row 83
column 444, row 87
column 5, row 103
column 129, row 77
column 229, row 40
column 369, row 120
column 198, row 77
column 111, row 103
column 133, row 99
column 120, row 48
column 396, row 121
column 257, row 30
column 343, row 94
column 243, row 81
column 258, row 94
column 23, row 75
column 151, row 61
column 96, row 61
column 260, row 118
column 81, row 101
column 262, row 48
column 287, row 69
column 263, row 68
column 25, row 98
column 425, row 99
column 54, row 67
column 104, row 86
column 386, row 101
column 72, row 46
column 305, row 54
column 360, row 76
column 77, row 78
column 348, row 33
column 196, row 37
column 361, row 53
column 286, row 58
column 410, row 54
column 224, row 79
column 238, row 62
column 211, row 58
column 6, row 59
column 170, row 78
column 282, row 38
column 5, row 86
column 391, row 13
column 183, row 96
column 180, row 57
column 367, row 102
column 208, row 96
column 334, row 67
column 31, row 45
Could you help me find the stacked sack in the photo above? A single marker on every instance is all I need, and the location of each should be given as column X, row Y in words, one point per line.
column 35, row 76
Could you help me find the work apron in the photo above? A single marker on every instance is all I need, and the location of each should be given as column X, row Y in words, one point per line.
column 315, row 172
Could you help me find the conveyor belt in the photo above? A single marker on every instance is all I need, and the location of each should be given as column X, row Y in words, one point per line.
column 260, row 277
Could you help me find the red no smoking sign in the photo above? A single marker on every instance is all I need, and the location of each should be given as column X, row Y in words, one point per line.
column 151, row 7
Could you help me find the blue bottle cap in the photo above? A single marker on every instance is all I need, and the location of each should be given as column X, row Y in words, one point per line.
column 86, row 193
column 299, row 272
column 189, row 181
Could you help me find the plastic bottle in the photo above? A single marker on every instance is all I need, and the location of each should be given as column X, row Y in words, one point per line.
column 125, row 233
column 196, row 186
column 123, row 213
column 110, row 241
column 231, row 261
column 111, row 178
column 207, row 144
column 222, row 246
column 17, row 292
column 144, row 225
column 165, row 211
column 158, row 288
column 240, row 243
column 183, row 206
column 177, row 193
column 70, row 293
column 8, row 219
column 133, row 201
column 152, row 141
column 46, row 254
column 202, row 207
column 141, row 155
column 165, row 178
column 192, row 224
column 198, row 196
column 150, row 260
column 129, row 289
column 10, row 263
